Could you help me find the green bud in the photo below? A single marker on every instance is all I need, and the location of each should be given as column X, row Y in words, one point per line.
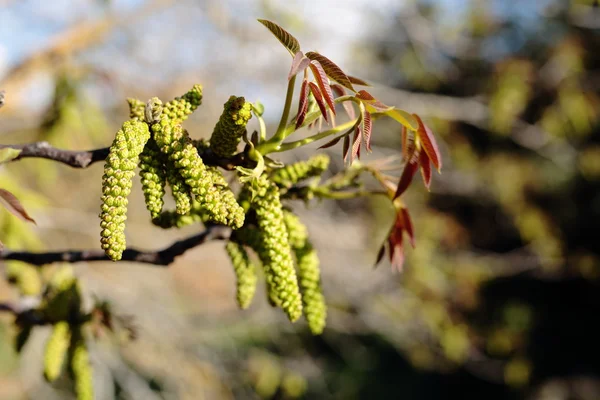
column 245, row 273
column 119, row 170
column 56, row 350
column 298, row 171
column 231, row 126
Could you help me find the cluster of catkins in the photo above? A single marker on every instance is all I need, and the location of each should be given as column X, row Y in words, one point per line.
column 60, row 307
column 155, row 141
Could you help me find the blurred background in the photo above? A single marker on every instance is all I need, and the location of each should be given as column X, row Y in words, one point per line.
column 498, row 300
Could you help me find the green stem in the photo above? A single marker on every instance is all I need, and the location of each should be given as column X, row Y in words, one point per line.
column 346, row 195
column 279, row 136
column 347, row 126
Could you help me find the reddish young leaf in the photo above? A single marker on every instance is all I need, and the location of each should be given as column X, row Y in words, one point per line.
column 340, row 91
column 290, row 42
column 425, row 168
column 367, row 127
column 346, row 147
column 12, row 204
column 357, row 81
column 323, row 82
column 397, row 256
column 299, row 64
column 408, row 146
column 368, row 99
column 404, row 143
column 410, row 168
column 331, row 143
column 319, row 99
column 408, row 226
column 302, row 104
column 380, row 255
column 429, row 144
column 356, row 145
column 331, row 69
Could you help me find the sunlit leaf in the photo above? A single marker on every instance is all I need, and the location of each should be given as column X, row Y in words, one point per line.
column 331, row 69
column 8, row 154
column 367, row 127
column 425, row 168
column 12, row 204
column 299, row 64
column 410, row 168
column 429, row 143
column 290, row 42
column 403, row 117
column 303, row 104
column 314, row 89
column 356, row 144
column 371, row 102
column 332, row 142
column 323, row 82
column 357, row 81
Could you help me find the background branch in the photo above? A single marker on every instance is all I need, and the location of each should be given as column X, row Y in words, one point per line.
column 162, row 257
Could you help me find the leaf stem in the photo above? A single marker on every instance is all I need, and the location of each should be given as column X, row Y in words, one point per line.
column 315, row 137
column 279, row 136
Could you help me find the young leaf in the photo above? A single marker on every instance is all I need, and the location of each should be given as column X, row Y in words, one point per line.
column 332, row 142
column 380, row 255
column 429, row 144
column 405, row 155
column 8, row 154
column 299, row 64
column 346, row 147
column 323, row 82
column 396, row 252
column 408, row 226
column 340, row 91
column 403, row 117
column 425, row 168
column 370, row 101
column 407, row 174
column 303, row 104
column 12, row 204
column 356, row 145
column 357, row 81
column 331, row 69
column 367, row 127
column 319, row 99
column 290, row 42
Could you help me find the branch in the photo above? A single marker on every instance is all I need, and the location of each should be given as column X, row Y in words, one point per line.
column 85, row 158
column 162, row 257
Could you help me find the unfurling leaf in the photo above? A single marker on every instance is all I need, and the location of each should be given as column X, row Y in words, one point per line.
column 319, row 99
column 356, row 145
column 357, row 81
column 407, row 174
column 429, row 144
column 8, row 154
column 332, row 142
column 12, row 204
column 303, row 104
column 396, row 254
column 425, row 168
column 299, row 64
column 367, row 127
column 323, row 82
column 373, row 105
column 331, row 69
column 289, row 41
column 346, row 147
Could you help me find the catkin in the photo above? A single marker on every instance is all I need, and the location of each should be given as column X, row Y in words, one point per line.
column 119, row 170
column 245, row 273
column 56, row 350
column 298, row 171
column 79, row 362
column 153, row 177
column 231, row 126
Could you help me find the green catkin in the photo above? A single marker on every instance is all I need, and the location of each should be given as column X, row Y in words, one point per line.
column 180, row 190
column 178, row 109
column 136, row 108
column 174, row 142
column 309, row 275
column 26, row 277
column 119, row 170
column 171, row 219
column 62, row 299
column 79, row 362
column 294, row 173
column 245, row 273
column 275, row 252
column 153, row 177
column 231, row 126
column 56, row 350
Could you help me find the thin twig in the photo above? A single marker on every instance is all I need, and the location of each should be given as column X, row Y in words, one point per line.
column 162, row 257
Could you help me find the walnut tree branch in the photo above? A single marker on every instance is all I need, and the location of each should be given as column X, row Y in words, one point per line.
column 162, row 257
column 85, row 158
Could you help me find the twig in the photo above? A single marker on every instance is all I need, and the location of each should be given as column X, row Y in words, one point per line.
column 161, row 258
column 85, row 158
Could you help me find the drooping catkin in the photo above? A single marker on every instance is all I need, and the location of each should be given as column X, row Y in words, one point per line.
column 298, row 171
column 245, row 273
column 231, row 126
column 181, row 192
column 119, row 170
column 56, row 350
column 309, row 275
column 153, row 177
column 136, row 108
column 79, row 363
column 62, row 299
column 178, row 109
column 275, row 252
